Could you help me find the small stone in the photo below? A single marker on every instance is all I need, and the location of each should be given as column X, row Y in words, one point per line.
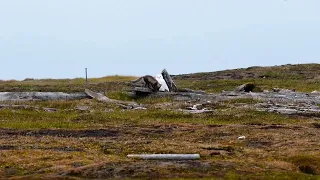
column 108, row 110
column 276, row 89
column 286, row 111
column 241, row 138
column 50, row 109
column 82, row 108
column 198, row 106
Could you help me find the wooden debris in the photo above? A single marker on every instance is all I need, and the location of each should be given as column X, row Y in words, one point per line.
column 165, row 156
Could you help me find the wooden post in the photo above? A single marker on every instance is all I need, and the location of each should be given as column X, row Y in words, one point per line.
column 171, row 85
column 86, row 75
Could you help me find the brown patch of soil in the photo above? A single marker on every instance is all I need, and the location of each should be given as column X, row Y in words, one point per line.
column 65, row 149
column 278, row 126
column 148, row 169
column 60, row 133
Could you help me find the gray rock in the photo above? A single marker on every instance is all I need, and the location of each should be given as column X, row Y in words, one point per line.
column 248, row 87
column 23, row 96
column 315, row 92
column 50, row 109
column 82, row 108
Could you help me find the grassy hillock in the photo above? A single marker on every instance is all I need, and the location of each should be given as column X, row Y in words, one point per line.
column 301, row 77
column 283, row 72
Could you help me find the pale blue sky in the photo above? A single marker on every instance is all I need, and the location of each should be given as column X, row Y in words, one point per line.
column 59, row 38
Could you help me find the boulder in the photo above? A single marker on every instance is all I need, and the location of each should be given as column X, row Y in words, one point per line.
column 248, row 87
column 147, row 82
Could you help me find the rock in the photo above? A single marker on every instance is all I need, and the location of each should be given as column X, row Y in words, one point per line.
column 170, row 83
column 147, row 82
column 191, row 108
column 241, row 138
column 195, row 107
column 108, row 110
column 44, row 96
column 276, row 89
column 192, row 111
column 50, row 109
column 279, row 90
column 287, row 90
column 286, row 111
column 198, row 106
column 82, row 108
column 248, row 87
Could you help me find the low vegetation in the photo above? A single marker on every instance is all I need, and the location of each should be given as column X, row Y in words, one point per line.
column 89, row 139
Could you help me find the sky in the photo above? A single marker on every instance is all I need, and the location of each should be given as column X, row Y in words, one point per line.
column 60, row 38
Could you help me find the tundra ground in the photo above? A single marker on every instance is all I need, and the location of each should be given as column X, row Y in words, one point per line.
column 69, row 141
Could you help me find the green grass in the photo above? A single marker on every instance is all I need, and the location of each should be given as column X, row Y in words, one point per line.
column 301, row 77
column 108, row 83
column 20, row 119
column 284, row 72
column 118, row 95
column 30, row 81
column 217, row 86
column 29, row 119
